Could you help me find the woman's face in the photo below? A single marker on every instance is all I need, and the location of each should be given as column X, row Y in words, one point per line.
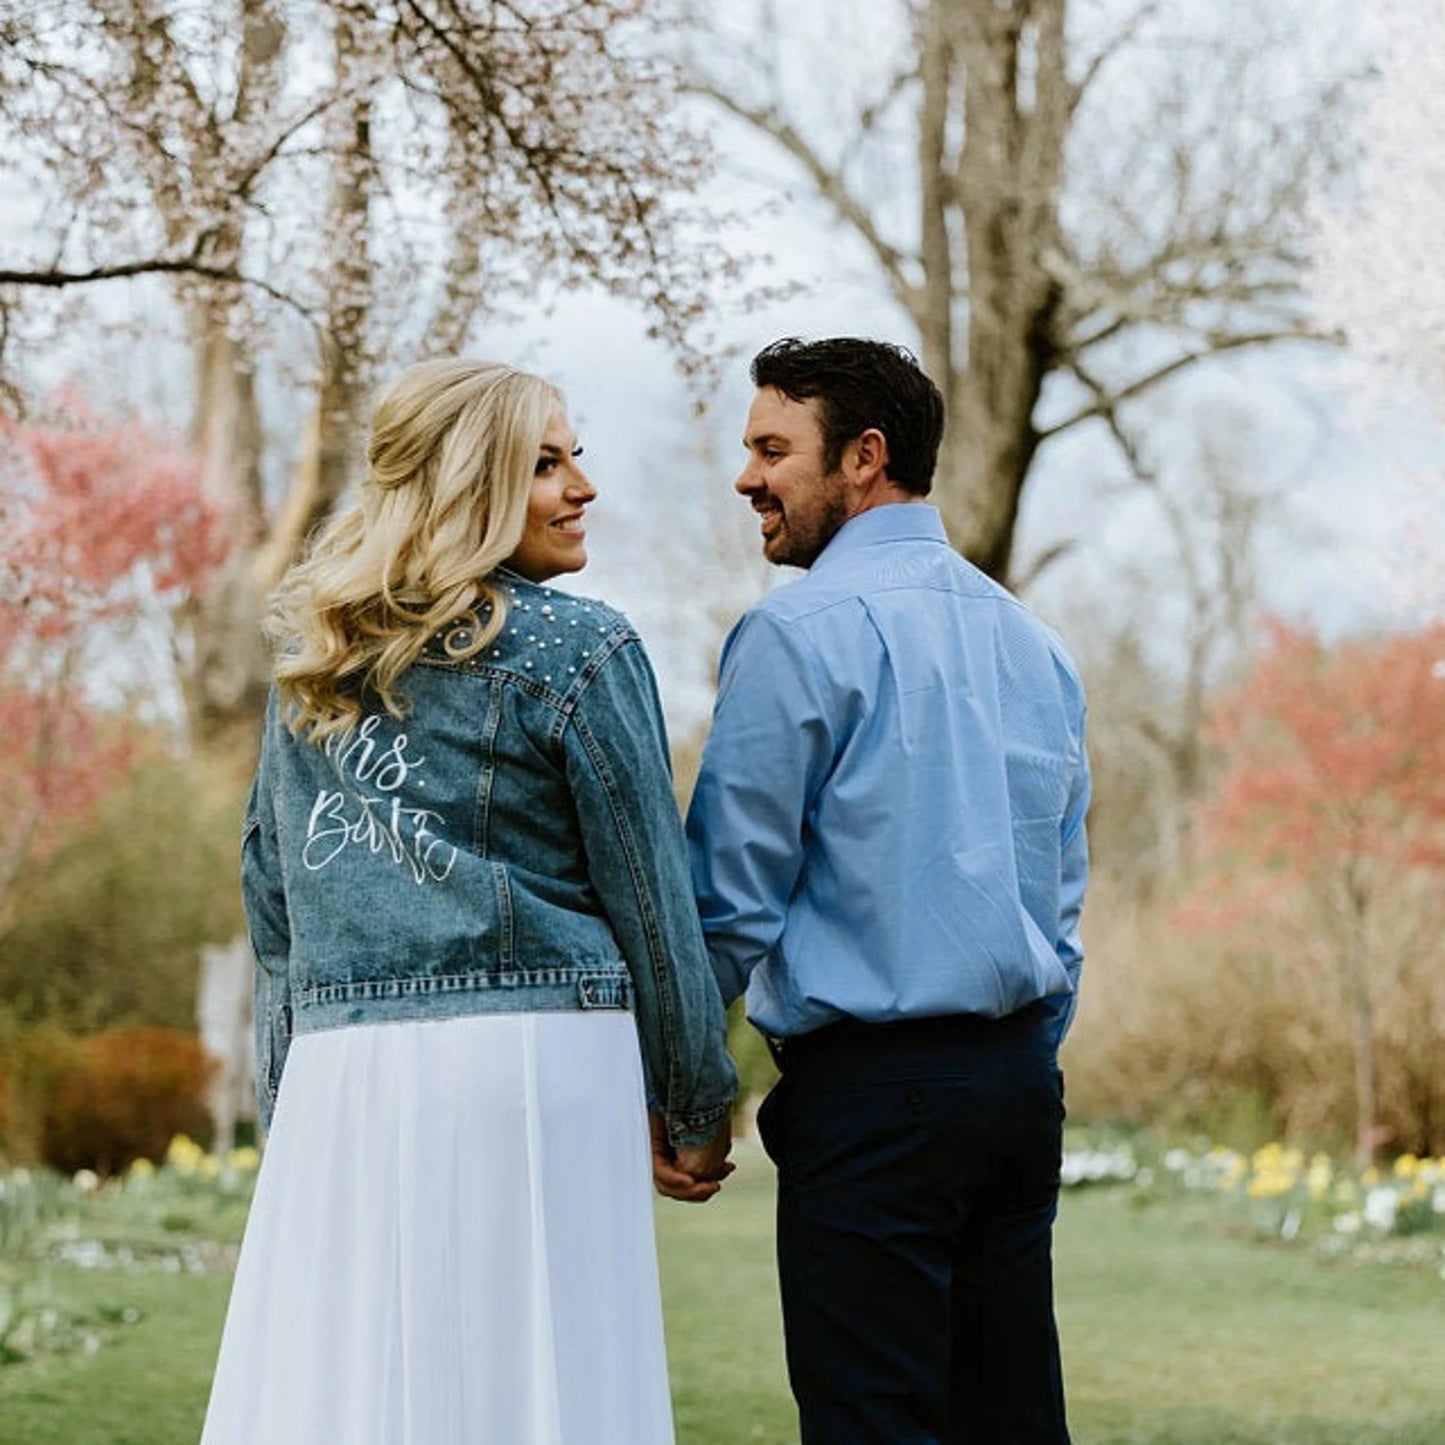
column 554, row 540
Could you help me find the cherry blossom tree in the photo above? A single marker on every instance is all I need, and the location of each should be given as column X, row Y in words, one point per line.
column 104, row 527
column 1378, row 273
column 1329, row 820
column 355, row 181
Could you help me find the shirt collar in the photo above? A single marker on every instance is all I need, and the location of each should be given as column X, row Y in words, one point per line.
column 892, row 522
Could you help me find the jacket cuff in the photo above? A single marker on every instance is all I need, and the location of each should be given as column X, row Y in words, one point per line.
column 688, row 1131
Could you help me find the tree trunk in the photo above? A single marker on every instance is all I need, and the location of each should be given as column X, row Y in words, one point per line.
column 226, row 680
column 224, row 676
column 1362, row 1026
column 984, row 462
column 1005, row 190
column 932, row 303
column 224, row 1021
column 330, row 449
column 1362, row 1036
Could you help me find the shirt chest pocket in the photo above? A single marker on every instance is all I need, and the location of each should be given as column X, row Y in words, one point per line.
column 1038, row 786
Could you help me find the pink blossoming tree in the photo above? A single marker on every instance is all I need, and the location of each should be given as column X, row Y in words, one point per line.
column 1328, row 825
column 104, row 528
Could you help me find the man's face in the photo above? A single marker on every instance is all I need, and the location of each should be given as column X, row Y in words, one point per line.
column 801, row 506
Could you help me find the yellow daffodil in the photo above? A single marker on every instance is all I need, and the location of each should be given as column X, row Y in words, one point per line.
column 1267, row 1157
column 1270, row 1184
column 184, row 1155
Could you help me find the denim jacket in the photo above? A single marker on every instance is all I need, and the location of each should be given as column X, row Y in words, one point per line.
column 513, row 844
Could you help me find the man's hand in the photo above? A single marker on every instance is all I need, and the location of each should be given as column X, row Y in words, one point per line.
column 710, row 1160
column 691, row 1175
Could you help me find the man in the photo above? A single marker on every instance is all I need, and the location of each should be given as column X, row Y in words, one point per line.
column 888, row 848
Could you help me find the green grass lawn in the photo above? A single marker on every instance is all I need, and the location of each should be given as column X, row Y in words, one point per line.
column 1174, row 1334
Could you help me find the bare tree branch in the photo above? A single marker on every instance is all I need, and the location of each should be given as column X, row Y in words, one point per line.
column 1122, row 38
column 827, row 179
column 57, row 277
column 1024, row 578
column 244, row 180
column 1106, row 401
column 1106, row 408
column 1048, row 229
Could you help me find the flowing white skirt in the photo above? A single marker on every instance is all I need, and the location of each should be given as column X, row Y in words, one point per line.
column 451, row 1243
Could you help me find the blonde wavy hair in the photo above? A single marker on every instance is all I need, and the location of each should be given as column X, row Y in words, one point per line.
column 444, row 502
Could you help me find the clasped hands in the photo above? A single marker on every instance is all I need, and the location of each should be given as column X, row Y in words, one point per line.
column 693, row 1174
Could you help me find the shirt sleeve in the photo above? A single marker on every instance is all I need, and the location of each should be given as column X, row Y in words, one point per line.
column 264, row 899
column 632, row 833
column 771, row 747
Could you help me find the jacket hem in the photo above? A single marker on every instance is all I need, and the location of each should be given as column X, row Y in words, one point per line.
column 453, row 995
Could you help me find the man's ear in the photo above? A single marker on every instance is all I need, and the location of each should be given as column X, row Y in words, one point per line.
column 870, row 456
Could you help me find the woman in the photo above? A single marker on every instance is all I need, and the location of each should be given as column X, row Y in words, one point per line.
column 466, row 885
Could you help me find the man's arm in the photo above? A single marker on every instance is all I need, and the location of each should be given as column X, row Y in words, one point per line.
column 771, row 746
column 1073, row 880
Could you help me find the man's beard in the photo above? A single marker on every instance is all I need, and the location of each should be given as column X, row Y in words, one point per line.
column 799, row 542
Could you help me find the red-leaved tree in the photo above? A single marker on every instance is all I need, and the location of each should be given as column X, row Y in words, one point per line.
column 102, row 527
column 1325, row 840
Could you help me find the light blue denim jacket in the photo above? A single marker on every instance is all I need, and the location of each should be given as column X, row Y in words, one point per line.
column 513, row 844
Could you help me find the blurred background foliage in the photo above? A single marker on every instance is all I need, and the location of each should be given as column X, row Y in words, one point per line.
column 1075, row 209
column 100, row 1062
column 105, row 930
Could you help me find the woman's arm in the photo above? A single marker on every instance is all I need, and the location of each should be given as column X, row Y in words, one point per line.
column 264, row 899
column 621, row 782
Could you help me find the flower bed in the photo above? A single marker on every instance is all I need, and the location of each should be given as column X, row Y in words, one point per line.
column 1283, row 1193
column 182, row 1216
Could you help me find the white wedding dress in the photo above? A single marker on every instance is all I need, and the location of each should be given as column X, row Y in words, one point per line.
column 451, row 1243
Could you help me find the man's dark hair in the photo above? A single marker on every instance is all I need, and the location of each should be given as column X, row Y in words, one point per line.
column 861, row 384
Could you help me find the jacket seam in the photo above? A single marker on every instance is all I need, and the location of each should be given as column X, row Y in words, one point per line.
column 481, row 823
column 651, row 930
column 596, row 660
column 506, row 917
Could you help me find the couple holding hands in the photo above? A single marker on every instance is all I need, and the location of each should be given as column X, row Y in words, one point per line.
column 487, row 951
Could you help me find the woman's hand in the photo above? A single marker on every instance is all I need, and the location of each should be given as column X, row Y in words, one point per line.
column 692, row 1175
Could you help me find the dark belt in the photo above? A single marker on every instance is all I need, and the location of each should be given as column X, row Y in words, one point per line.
column 937, row 1029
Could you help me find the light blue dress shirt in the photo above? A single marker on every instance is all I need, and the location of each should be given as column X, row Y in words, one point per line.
column 889, row 819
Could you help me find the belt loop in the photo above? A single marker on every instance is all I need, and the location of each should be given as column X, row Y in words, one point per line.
column 776, row 1049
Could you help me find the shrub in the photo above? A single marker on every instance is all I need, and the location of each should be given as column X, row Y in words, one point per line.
column 123, row 1095
column 1251, row 1044
column 104, row 932
column 34, row 1057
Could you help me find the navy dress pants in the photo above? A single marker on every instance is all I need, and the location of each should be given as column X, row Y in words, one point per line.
column 918, row 1179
